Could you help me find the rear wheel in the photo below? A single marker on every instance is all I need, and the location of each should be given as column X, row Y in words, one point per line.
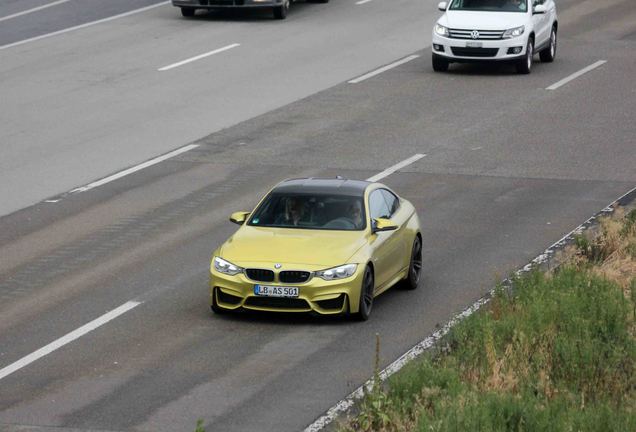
column 366, row 296
column 440, row 64
column 280, row 12
column 188, row 12
column 548, row 54
column 524, row 66
column 415, row 267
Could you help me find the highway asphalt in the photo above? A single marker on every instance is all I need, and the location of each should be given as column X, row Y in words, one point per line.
column 509, row 168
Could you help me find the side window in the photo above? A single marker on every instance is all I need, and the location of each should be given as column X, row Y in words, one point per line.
column 392, row 201
column 377, row 205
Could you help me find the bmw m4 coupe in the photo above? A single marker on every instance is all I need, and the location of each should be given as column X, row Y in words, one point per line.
column 327, row 246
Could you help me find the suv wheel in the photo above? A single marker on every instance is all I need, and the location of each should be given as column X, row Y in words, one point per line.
column 440, row 64
column 524, row 66
column 280, row 12
column 188, row 12
column 548, row 54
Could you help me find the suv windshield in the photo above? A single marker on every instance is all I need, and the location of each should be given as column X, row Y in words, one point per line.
column 311, row 211
column 490, row 5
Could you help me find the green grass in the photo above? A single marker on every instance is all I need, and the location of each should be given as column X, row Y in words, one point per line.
column 558, row 355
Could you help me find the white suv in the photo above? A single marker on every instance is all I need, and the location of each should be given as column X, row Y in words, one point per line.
column 495, row 30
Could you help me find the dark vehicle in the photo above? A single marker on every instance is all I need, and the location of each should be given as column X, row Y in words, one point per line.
column 279, row 7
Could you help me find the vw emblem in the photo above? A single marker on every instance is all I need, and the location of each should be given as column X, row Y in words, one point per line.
column 277, row 266
column 474, row 34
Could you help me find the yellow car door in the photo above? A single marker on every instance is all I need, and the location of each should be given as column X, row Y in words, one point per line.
column 385, row 244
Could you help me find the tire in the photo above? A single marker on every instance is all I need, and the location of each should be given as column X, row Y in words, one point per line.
column 280, row 12
column 440, row 64
column 188, row 12
column 547, row 55
column 415, row 267
column 524, row 66
column 215, row 306
column 366, row 296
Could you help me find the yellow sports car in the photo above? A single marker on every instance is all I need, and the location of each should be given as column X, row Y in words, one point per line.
column 318, row 245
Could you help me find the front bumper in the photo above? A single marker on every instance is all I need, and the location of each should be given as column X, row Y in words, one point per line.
column 316, row 295
column 457, row 50
column 218, row 4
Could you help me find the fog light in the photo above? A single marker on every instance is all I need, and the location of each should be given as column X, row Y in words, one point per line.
column 515, row 50
column 439, row 48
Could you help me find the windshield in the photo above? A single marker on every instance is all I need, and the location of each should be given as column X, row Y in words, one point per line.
column 310, row 211
column 490, row 5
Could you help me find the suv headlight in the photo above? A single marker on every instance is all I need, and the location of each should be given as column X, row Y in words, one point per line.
column 340, row 272
column 514, row 32
column 226, row 267
column 441, row 30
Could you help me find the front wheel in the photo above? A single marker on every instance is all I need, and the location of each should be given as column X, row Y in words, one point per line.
column 415, row 267
column 524, row 66
column 366, row 296
column 188, row 12
column 280, row 12
column 440, row 64
column 547, row 55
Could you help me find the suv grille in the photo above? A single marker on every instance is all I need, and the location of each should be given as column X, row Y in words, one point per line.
column 260, row 275
column 475, row 52
column 293, row 276
column 277, row 303
column 468, row 34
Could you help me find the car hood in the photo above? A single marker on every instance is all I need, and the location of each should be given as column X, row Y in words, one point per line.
column 313, row 248
column 471, row 20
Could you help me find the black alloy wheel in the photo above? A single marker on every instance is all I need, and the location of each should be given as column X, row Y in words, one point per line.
column 548, row 54
column 415, row 268
column 366, row 295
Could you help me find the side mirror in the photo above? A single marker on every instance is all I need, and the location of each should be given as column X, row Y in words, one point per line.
column 239, row 218
column 442, row 6
column 382, row 224
column 539, row 9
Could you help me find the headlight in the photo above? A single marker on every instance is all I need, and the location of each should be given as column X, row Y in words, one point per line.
column 226, row 267
column 441, row 30
column 512, row 33
column 340, row 272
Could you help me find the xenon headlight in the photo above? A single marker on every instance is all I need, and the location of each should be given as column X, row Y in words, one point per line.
column 340, row 272
column 226, row 267
column 514, row 32
column 441, row 30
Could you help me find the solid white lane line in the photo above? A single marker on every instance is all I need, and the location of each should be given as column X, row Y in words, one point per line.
column 136, row 168
column 383, row 69
column 199, row 57
column 35, row 9
column 387, row 172
column 70, row 337
column 81, row 26
column 361, row 2
column 574, row 76
column 346, row 403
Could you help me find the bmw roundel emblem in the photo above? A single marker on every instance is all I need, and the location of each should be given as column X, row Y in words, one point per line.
column 278, row 266
column 474, row 34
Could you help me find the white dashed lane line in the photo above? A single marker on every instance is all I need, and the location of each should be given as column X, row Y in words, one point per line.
column 68, row 338
column 35, row 9
column 199, row 57
column 383, row 69
column 575, row 75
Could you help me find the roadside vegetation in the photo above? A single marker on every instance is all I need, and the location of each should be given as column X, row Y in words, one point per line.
column 558, row 353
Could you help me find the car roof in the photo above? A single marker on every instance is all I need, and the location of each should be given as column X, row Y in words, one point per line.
column 331, row 186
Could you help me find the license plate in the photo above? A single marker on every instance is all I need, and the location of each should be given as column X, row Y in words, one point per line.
column 474, row 44
column 275, row 291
